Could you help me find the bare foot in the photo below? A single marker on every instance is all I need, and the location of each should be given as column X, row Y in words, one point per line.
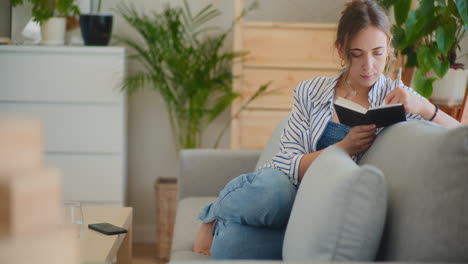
column 204, row 239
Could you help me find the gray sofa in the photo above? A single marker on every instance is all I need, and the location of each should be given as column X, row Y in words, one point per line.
column 425, row 167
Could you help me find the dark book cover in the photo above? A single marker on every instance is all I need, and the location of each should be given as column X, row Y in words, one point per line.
column 381, row 117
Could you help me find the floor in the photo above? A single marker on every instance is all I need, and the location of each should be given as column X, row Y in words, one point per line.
column 144, row 253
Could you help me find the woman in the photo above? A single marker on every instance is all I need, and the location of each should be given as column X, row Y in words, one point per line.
column 249, row 218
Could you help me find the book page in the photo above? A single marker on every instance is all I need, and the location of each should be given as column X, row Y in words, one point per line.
column 384, row 106
column 350, row 105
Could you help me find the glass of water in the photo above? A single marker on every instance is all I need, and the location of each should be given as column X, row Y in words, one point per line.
column 72, row 217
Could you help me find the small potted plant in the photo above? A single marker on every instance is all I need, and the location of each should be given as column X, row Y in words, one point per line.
column 429, row 37
column 51, row 16
column 96, row 28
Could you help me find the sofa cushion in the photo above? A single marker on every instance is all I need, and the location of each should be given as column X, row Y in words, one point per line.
column 339, row 211
column 426, row 169
column 186, row 228
column 272, row 146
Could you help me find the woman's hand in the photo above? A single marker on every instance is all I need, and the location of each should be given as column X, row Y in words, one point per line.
column 413, row 104
column 359, row 139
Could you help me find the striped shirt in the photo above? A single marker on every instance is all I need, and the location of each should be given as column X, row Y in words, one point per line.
column 312, row 110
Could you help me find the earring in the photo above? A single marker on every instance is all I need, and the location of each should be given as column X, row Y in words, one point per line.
column 342, row 63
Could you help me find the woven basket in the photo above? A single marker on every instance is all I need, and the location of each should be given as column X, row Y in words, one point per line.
column 166, row 204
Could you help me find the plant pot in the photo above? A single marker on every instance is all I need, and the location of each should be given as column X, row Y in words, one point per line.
column 96, row 29
column 450, row 90
column 53, row 31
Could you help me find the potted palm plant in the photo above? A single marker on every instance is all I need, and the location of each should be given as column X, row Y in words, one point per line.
column 96, row 28
column 429, row 37
column 51, row 15
column 189, row 69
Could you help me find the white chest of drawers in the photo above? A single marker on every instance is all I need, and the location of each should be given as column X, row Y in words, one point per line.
column 75, row 92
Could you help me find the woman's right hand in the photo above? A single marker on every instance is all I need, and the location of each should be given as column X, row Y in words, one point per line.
column 359, row 139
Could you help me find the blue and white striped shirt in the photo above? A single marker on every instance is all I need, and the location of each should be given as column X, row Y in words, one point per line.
column 312, row 110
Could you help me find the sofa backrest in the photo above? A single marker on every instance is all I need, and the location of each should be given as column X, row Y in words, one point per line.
column 272, row 146
column 426, row 169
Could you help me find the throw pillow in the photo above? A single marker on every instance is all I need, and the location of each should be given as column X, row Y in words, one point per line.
column 339, row 211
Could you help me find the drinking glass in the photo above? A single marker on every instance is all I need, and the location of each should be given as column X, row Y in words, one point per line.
column 72, row 217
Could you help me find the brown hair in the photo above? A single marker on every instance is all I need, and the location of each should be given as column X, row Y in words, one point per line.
column 357, row 16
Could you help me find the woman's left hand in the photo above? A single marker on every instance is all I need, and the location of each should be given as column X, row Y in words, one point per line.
column 413, row 104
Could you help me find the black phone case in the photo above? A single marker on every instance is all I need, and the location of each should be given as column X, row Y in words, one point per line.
column 107, row 228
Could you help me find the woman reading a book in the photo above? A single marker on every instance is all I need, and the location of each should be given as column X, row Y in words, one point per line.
column 249, row 218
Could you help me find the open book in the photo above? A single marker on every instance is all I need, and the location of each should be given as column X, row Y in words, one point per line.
column 353, row 114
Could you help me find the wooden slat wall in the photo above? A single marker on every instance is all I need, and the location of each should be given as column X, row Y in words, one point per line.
column 280, row 90
column 284, row 53
column 257, row 126
column 290, row 44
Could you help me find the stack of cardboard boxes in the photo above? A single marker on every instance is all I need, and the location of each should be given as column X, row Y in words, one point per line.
column 30, row 198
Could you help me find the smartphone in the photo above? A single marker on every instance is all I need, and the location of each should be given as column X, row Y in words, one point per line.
column 108, row 229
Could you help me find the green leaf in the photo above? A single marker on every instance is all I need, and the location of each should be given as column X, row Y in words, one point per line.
column 441, row 67
column 412, row 59
column 401, row 10
column 426, row 57
column 414, row 29
column 426, row 16
column 462, row 6
column 445, row 35
column 422, row 85
column 398, row 37
column 221, row 105
column 426, row 8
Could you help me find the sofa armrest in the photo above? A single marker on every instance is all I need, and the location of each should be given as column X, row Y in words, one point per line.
column 204, row 172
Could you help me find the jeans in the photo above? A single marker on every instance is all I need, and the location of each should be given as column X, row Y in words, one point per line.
column 251, row 215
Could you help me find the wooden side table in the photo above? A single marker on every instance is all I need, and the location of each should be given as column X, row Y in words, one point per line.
column 166, row 206
column 100, row 248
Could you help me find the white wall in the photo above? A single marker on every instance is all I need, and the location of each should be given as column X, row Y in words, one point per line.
column 150, row 150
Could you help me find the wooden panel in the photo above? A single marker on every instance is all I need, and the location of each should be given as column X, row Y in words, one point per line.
column 291, row 45
column 88, row 76
column 257, row 127
column 20, row 144
column 280, row 90
column 29, row 202
column 285, row 53
column 76, row 128
column 91, row 178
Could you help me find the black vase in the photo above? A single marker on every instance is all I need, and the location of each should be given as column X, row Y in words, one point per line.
column 96, row 29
